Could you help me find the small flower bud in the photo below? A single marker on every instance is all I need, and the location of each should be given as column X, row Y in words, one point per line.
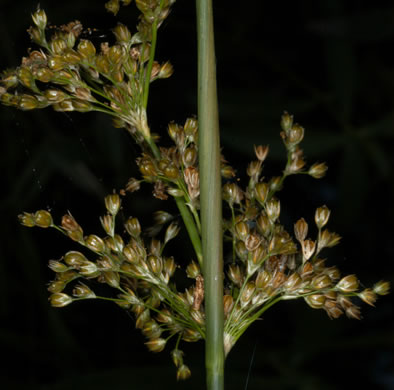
column 301, row 230
column 86, row 49
column 40, row 19
column 57, row 266
column 27, row 219
column 43, row 218
column 308, row 248
column 261, row 152
column 293, row 282
column 175, row 192
column 321, row 216
column 241, row 230
column 262, row 279
column 228, row 304
column 112, row 203
column 252, row 241
column 169, row 266
column 295, row 134
column 133, row 227
column 156, row 345
column 286, row 122
column 27, row 102
column 131, row 254
column 71, row 57
column 88, row 268
column 177, row 357
column 348, row 284
column 74, row 259
column 56, row 286
column 263, row 225
column 60, row 300
column 234, row 273
column 183, row 372
column 368, row 296
column 111, row 278
column 122, row 33
column 83, row 291
column 193, row 270
column 315, row 301
column 155, row 264
column 318, row 170
column 247, row 293
column 353, row 312
column 320, row 282
column 133, row 185
column 166, row 70
column 273, row 209
column 382, row 287
column 95, row 243
column 261, row 191
column 232, row 193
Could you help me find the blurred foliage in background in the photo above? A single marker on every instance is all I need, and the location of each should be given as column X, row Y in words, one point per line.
column 330, row 64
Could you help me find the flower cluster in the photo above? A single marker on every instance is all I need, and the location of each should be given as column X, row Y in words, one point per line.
column 70, row 74
column 268, row 264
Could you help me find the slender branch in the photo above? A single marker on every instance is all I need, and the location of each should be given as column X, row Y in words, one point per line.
column 211, row 194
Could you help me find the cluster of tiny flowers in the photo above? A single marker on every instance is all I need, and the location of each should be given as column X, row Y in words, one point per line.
column 140, row 275
column 267, row 264
column 69, row 74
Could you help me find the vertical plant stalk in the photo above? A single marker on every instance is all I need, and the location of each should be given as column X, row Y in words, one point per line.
column 210, row 196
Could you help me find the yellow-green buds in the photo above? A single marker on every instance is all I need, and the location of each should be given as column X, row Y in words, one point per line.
column 171, row 232
column 368, row 296
column 60, row 300
column 315, row 301
column 318, row 170
column 232, row 193
column 43, row 218
column 241, row 230
column 321, row 216
column 348, row 284
column 133, row 227
column 70, row 225
column 83, row 291
column 286, row 121
column 57, row 266
column 74, row 259
column 262, row 191
column 183, row 372
column 112, row 203
column 156, row 345
column 177, row 357
column 273, row 209
column 95, row 243
column 40, row 19
column 122, row 33
column 382, row 288
column 86, row 49
column 321, row 281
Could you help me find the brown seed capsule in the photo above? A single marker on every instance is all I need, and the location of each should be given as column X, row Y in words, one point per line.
column 131, row 254
column 263, row 225
column 56, row 63
column 232, row 193
column 241, row 250
column 368, row 296
column 263, row 278
column 122, row 33
column 26, row 78
column 295, row 134
column 111, row 278
column 321, row 216
column 301, row 230
column 228, row 304
column 112, row 203
column 71, row 57
column 353, row 312
column 166, row 70
column 293, row 282
column 261, row 152
column 348, row 284
column 320, row 282
column 273, row 209
column 318, row 170
column 308, row 248
column 247, row 293
column 102, row 64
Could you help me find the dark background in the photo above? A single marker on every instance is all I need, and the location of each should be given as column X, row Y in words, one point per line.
column 330, row 64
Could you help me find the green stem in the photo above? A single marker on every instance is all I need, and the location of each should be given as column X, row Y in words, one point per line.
column 210, row 198
column 151, row 59
column 191, row 228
